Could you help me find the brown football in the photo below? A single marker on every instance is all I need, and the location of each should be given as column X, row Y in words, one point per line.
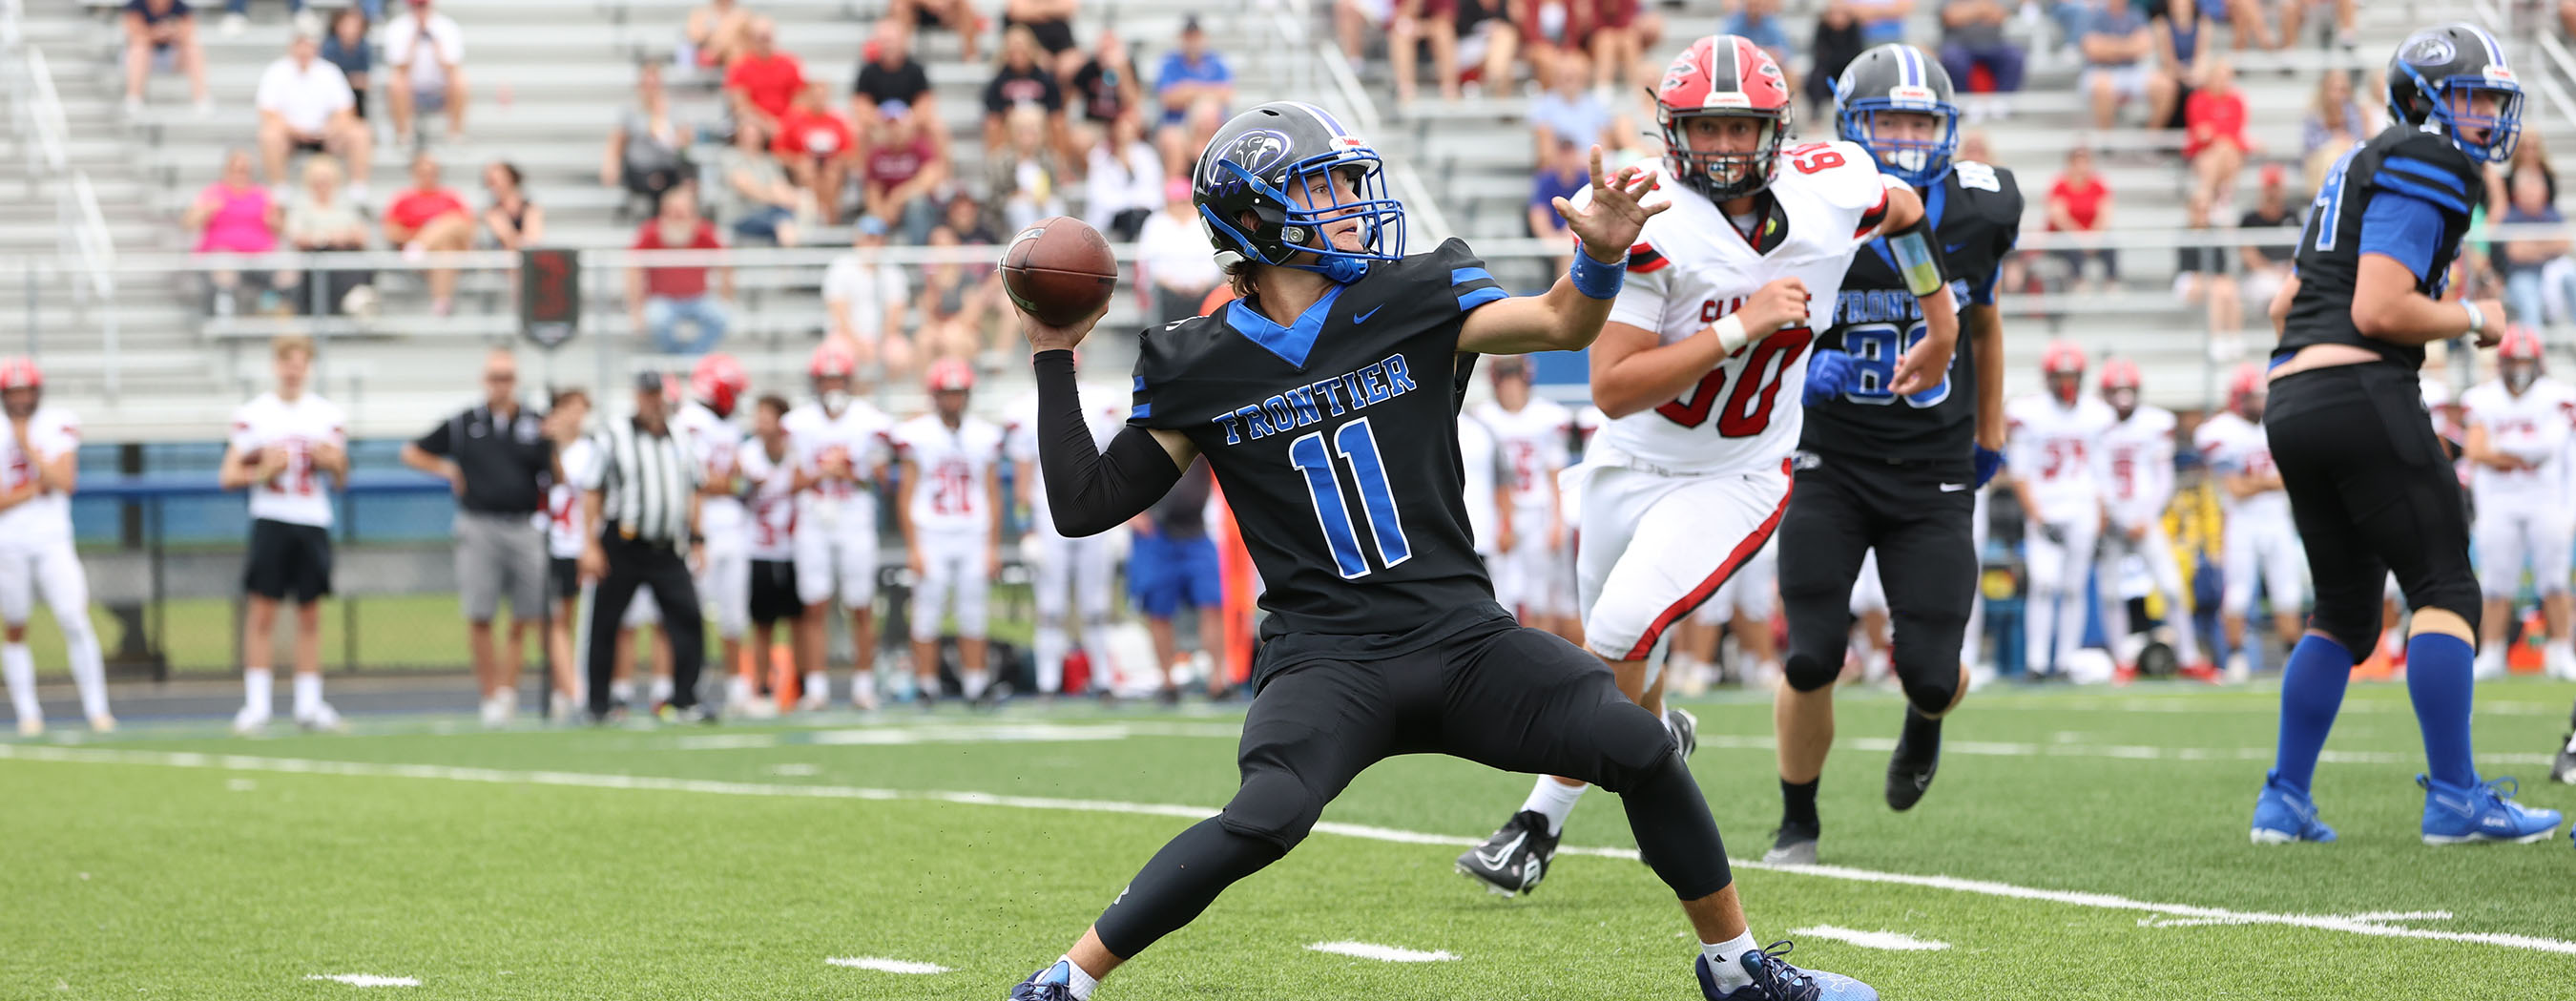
column 1059, row 270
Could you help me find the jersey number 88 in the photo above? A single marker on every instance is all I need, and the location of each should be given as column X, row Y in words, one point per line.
column 1875, row 349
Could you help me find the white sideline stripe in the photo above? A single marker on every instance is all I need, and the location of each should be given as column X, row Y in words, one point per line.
column 1382, row 953
column 367, row 980
column 243, row 762
column 1871, row 939
column 883, row 965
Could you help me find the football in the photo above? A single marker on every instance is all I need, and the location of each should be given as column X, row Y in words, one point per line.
column 1059, row 270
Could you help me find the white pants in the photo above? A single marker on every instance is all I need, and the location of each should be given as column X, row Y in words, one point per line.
column 1655, row 546
column 952, row 582
column 2268, row 547
column 1754, row 591
column 2156, row 550
column 843, row 563
column 724, row 582
column 2053, row 617
column 53, row 570
column 1075, row 574
column 2510, row 538
column 1533, row 578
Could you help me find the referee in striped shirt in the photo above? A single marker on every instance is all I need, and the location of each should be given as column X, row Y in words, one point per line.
column 642, row 492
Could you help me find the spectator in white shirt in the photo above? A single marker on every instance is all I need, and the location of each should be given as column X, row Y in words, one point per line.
column 305, row 105
column 866, row 298
column 1125, row 180
column 1172, row 256
column 425, row 68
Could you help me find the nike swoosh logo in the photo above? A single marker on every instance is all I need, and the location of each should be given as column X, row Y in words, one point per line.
column 1922, row 781
column 1495, row 860
column 1952, row 488
column 1363, row 317
column 1954, row 247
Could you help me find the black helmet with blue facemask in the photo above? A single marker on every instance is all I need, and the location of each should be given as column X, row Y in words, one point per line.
column 1896, row 78
column 1252, row 189
column 2435, row 76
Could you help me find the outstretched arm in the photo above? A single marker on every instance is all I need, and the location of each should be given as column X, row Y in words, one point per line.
column 1090, row 491
column 1568, row 316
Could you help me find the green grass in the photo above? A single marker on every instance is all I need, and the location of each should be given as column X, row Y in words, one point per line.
column 138, row 878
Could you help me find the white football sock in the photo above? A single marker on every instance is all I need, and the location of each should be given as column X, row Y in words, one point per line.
column 818, row 685
column 18, row 664
column 1725, row 960
column 89, row 667
column 1050, row 644
column 308, row 694
column 1081, row 983
column 974, row 682
column 257, row 691
column 661, row 690
column 621, row 692
column 1555, row 800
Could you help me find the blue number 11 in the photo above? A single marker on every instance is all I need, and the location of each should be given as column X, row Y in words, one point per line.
column 1357, row 445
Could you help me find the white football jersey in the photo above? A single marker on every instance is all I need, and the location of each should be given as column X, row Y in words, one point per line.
column 859, row 433
column 714, row 442
column 1692, row 265
column 773, row 500
column 297, row 495
column 565, row 533
column 2052, row 449
column 1105, row 410
column 2533, row 427
column 952, row 464
column 1481, row 456
column 1533, row 443
column 2137, row 470
column 2231, row 444
column 47, row 517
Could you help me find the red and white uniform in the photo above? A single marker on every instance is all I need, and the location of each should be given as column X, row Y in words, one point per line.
column 771, row 526
column 2523, row 516
column 1695, row 486
column 952, row 518
column 2052, row 450
column 724, row 580
column 1535, row 576
column 295, row 496
column 1068, row 573
column 2261, row 541
column 2136, row 467
column 836, row 520
column 1480, row 455
column 36, row 556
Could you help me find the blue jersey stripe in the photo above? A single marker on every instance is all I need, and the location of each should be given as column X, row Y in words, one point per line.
column 1480, row 297
column 1142, row 411
column 2404, row 186
column 1461, row 276
column 2429, row 172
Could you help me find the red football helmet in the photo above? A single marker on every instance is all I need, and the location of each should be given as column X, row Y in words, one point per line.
column 20, row 372
column 832, row 360
column 949, row 375
column 2061, row 366
column 1723, row 76
column 2119, row 373
column 719, row 382
column 2245, row 391
column 2518, row 357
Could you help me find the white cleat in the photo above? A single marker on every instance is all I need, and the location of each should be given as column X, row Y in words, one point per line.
column 2490, row 664
column 863, row 695
column 251, row 721
column 496, row 710
column 323, row 719
column 102, row 723
column 2560, row 659
column 31, row 726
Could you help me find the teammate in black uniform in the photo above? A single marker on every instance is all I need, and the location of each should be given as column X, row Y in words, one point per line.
column 1325, row 401
column 2370, row 483
column 1893, row 473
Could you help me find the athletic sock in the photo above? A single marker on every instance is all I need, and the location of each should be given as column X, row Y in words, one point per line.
column 1798, row 803
column 662, row 690
column 621, row 693
column 257, row 689
column 1918, row 732
column 1726, row 960
column 1079, row 982
column 308, row 694
column 1555, row 800
column 974, row 682
column 2312, row 686
column 2438, row 679
column 18, row 664
column 89, row 669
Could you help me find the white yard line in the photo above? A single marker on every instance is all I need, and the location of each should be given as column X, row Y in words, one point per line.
column 366, row 980
column 1382, row 953
column 2351, row 924
column 2129, row 752
column 883, row 965
column 1871, row 939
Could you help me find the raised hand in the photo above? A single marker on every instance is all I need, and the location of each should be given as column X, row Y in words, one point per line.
column 1610, row 223
column 1045, row 337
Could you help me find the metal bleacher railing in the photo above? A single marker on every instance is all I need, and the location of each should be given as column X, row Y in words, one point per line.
column 87, row 253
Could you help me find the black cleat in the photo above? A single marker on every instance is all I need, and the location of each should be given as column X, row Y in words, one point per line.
column 1515, row 858
column 1793, row 844
column 2564, row 770
column 1910, row 769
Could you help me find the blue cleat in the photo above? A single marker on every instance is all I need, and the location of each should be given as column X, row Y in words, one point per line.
column 1055, row 983
column 1775, row 980
column 2283, row 815
column 2457, row 815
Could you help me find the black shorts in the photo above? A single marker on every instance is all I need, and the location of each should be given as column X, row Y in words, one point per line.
column 1919, row 517
column 307, row 146
column 563, row 578
column 773, row 591
column 1055, row 36
column 2373, row 492
column 288, row 561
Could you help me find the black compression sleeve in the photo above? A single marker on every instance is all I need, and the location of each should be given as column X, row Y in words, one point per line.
column 1091, row 492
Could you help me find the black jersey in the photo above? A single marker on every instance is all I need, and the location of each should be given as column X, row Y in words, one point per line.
column 1976, row 214
column 2403, row 161
column 1336, row 441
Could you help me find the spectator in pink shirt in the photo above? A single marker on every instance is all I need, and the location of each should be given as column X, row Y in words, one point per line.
column 234, row 215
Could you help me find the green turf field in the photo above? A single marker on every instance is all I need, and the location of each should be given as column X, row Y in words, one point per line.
column 2079, row 844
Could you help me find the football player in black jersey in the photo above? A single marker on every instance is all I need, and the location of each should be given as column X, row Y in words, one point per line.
column 1897, row 474
column 1325, row 400
column 2370, row 482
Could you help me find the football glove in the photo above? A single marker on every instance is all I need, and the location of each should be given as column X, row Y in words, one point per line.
column 1829, row 372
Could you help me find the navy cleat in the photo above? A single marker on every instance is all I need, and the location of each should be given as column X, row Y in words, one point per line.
column 1055, row 983
column 1515, row 858
column 2283, row 815
column 2457, row 815
column 1775, row 980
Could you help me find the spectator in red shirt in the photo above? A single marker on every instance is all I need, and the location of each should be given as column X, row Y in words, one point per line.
column 659, row 299
column 1550, row 28
column 427, row 217
column 1623, row 31
column 2080, row 203
column 815, row 145
column 763, row 82
column 903, row 167
column 2215, row 142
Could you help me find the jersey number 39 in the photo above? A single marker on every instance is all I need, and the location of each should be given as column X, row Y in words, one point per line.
column 1356, row 444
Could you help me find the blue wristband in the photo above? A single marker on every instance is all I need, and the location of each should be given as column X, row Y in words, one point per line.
column 1595, row 279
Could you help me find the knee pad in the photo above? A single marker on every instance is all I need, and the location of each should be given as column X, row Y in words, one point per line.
column 1930, row 687
column 1633, row 744
column 1273, row 807
column 1808, row 673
